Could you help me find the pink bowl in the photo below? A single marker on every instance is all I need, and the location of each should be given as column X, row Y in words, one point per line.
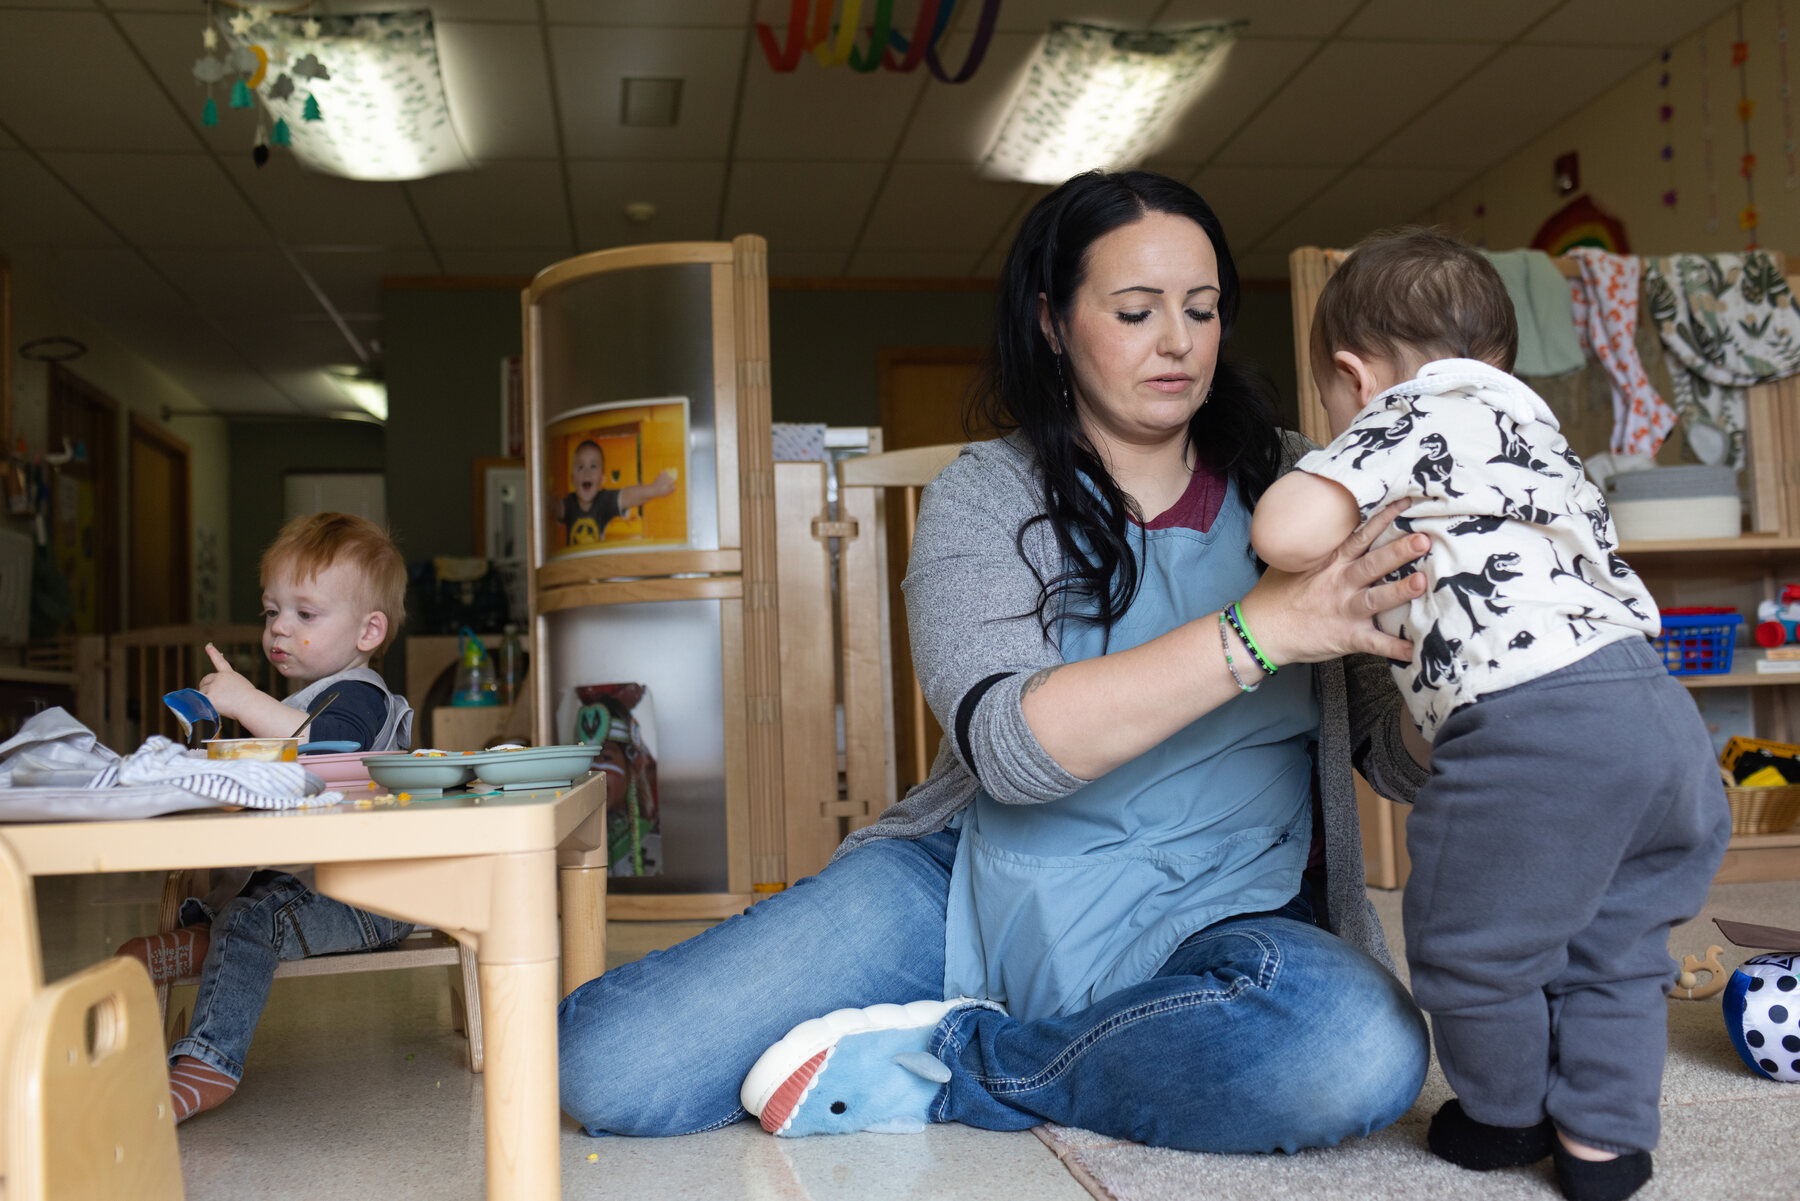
column 340, row 770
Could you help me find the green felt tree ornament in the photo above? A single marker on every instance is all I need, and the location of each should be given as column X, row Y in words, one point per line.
column 240, row 94
column 209, row 113
column 311, row 111
column 279, row 136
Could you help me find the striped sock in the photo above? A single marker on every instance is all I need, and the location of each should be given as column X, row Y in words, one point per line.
column 171, row 955
column 195, row 1087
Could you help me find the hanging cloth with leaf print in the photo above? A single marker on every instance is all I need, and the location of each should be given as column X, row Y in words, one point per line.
column 1727, row 321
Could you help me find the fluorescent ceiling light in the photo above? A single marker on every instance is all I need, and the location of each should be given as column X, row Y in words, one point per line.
column 1102, row 98
column 383, row 113
column 369, row 395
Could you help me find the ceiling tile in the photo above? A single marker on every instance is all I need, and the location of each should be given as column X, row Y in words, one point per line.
column 498, row 89
column 443, row 10
column 1034, row 16
column 1003, row 238
column 409, row 262
column 7, row 143
column 801, row 206
column 956, row 123
column 1543, row 84
column 1348, row 100
column 1264, row 264
column 806, row 263
column 1648, row 24
column 652, row 12
column 170, row 44
column 46, row 56
column 1435, row 21
column 592, row 63
column 307, row 207
column 517, row 204
column 1365, row 200
column 1267, row 18
column 163, row 199
column 236, row 283
column 826, row 114
column 101, row 283
column 350, row 277
column 501, row 262
column 1254, row 68
column 37, row 210
column 909, row 264
column 1250, row 201
column 927, row 206
column 686, row 196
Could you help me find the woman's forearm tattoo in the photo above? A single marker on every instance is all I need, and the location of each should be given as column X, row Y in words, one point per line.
column 1037, row 680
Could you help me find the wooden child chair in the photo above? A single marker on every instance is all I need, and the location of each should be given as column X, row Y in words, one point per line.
column 84, row 1089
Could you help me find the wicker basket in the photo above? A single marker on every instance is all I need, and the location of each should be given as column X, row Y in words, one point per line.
column 1763, row 810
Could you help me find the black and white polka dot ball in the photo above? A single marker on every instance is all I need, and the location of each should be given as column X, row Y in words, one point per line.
column 1762, row 1015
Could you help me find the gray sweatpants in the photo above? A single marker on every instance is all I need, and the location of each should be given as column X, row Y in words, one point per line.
column 1568, row 824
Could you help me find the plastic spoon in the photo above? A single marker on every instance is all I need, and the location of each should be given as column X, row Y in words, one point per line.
column 323, row 704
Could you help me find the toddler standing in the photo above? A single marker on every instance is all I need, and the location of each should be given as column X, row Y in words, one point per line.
column 1574, row 813
column 334, row 590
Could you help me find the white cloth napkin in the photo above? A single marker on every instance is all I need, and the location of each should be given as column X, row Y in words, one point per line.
column 54, row 769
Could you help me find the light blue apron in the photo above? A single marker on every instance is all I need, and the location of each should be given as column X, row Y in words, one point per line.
column 1053, row 907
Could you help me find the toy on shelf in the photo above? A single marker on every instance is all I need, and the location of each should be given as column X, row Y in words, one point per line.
column 1698, row 640
column 1762, row 784
column 1776, row 620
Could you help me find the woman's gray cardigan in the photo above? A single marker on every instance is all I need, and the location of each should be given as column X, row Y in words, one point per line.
column 971, row 605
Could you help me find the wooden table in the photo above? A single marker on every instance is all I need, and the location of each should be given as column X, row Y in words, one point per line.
column 482, row 869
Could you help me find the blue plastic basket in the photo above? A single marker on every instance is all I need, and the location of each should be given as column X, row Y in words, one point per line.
column 1698, row 644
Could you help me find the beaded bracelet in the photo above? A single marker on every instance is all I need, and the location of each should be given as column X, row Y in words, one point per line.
column 1225, row 643
column 1237, row 623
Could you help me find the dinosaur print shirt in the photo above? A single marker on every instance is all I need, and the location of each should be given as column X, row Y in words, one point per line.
column 1523, row 576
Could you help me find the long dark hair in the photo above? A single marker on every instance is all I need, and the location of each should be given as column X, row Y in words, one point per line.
column 1020, row 388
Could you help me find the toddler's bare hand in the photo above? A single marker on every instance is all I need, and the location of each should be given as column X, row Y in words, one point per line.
column 226, row 688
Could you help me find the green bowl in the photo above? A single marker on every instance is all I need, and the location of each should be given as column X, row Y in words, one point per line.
column 534, row 767
column 404, row 773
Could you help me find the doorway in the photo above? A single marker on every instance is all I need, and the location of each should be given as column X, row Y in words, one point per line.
column 160, row 583
column 84, row 503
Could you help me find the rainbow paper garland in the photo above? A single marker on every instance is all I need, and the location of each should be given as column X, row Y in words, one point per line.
column 835, row 46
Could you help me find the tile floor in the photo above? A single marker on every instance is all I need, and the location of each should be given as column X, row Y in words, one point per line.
column 359, row 1087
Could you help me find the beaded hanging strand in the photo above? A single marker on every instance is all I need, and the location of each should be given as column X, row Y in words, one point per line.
column 1746, row 108
column 1665, row 113
column 1787, row 111
column 1706, row 138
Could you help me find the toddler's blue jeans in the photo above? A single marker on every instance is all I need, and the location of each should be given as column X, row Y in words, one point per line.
column 275, row 917
column 1262, row 1032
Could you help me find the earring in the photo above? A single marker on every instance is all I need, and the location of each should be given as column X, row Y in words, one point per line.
column 1068, row 401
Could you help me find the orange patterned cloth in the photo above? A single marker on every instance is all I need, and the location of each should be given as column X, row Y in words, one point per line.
column 1606, row 317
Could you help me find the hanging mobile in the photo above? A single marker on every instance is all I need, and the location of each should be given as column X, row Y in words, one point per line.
column 259, row 150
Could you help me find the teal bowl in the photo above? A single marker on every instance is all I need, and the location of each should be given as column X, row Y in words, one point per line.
column 404, row 773
column 534, row 767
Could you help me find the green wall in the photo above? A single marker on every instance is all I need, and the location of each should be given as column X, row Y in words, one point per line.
column 261, row 455
column 442, row 351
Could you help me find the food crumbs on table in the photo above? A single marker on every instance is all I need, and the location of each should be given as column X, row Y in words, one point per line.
column 594, row 1157
column 409, row 1057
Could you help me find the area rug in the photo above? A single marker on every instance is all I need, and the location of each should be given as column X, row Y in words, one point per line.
column 1726, row 1133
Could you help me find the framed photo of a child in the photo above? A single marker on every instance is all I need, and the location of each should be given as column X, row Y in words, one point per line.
column 614, row 477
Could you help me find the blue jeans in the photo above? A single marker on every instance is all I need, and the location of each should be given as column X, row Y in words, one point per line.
column 275, row 917
column 1262, row 1032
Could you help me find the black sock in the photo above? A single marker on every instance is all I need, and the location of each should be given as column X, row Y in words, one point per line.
column 1459, row 1138
column 1600, row 1180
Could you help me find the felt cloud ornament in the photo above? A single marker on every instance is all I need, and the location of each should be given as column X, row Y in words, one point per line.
column 282, row 88
column 310, row 67
column 209, row 69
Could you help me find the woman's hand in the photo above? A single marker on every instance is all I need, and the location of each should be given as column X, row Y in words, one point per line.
column 1321, row 614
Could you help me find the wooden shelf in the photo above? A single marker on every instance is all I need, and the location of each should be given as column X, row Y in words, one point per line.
column 1743, row 674
column 1747, row 544
column 1761, row 857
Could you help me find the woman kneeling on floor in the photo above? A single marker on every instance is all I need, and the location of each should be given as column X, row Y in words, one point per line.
column 1135, row 870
